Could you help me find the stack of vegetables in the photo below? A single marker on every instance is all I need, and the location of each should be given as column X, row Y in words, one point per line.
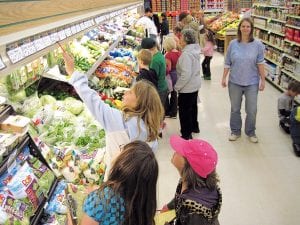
column 223, row 21
column 23, row 187
column 231, row 26
column 76, row 141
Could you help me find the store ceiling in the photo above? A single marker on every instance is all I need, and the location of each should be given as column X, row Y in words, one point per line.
column 19, row 15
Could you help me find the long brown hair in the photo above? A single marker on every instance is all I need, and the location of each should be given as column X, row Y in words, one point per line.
column 194, row 181
column 148, row 108
column 134, row 177
column 239, row 34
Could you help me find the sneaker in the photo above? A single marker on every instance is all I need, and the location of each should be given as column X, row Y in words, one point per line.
column 233, row 137
column 253, row 139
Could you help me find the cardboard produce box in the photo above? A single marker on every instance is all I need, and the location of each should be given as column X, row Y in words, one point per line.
column 15, row 124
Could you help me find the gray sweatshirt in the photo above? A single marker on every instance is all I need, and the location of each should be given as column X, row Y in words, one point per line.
column 188, row 69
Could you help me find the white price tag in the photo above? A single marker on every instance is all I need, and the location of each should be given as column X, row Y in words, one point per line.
column 47, row 41
column 78, row 29
column 54, row 37
column 39, row 44
column 92, row 22
column 28, row 49
column 15, row 54
column 82, row 26
column 62, row 35
column 73, row 29
column 2, row 65
column 68, row 32
column 86, row 24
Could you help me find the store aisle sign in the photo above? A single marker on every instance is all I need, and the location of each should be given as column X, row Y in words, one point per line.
column 2, row 65
column 15, row 55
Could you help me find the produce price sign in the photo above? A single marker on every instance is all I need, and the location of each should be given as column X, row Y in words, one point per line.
column 47, row 40
column 82, row 26
column 28, row 49
column 68, row 32
column 39, row 44
column 78, row 29
column 15, row 54
column 62, row 35
column 73, row 29
column 2, row 65
column 54, row 37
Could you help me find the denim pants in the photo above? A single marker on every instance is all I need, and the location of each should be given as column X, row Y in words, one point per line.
column 236, row 93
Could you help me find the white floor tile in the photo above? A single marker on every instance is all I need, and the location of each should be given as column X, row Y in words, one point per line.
column 260, row 182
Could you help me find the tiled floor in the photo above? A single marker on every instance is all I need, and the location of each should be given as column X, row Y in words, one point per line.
column 260, row 182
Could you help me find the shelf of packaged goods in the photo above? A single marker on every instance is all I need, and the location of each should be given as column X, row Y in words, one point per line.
column 292, row 58
column 270, row 44
column 292, row 42
column 293, row 16
column 100, row 60
column 290, row 74
column 269, row 30
column 213, row 10
column 268, row 6
column 274, row 84
column 292, row 26
column 273, row 61
column 269, row 18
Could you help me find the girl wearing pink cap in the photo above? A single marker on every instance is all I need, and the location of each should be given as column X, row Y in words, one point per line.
column 198, row 198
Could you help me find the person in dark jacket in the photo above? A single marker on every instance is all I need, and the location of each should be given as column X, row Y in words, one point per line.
column 295, row 129
column 144, row 58
column 164, row 28
column 198, row 198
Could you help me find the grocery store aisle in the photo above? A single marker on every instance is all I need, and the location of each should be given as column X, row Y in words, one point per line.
column 260, row 182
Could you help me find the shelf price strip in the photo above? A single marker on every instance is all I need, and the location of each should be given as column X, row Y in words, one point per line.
column 2, row 65
column 28, row 49
column 15, row 55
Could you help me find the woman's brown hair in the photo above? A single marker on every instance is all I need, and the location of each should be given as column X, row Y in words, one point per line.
column 133, row 177
column 148, row 108
column 239, row 34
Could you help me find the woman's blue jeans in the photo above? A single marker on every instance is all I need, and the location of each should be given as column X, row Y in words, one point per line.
column 236, row 93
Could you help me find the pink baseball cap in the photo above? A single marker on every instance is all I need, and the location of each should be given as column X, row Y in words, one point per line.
column 200, row 154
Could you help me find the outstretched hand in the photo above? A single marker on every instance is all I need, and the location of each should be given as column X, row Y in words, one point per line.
column 69, row 62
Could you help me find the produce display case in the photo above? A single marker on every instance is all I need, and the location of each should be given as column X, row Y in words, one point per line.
column 33, row 79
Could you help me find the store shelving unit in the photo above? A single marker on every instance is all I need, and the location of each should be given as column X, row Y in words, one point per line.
column 22, row 48
column 277, row 42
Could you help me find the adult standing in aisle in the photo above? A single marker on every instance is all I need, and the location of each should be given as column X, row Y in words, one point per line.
column 245, row 61
column 188, row 83
column 147, row 22
column 164, row 28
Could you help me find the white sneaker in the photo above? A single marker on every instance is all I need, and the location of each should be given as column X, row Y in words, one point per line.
column 233, row 137
column 253, row 139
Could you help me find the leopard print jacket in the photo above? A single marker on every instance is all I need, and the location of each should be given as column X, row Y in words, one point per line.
column 189, row 212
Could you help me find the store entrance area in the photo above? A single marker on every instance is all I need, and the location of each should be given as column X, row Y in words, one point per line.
column 260, row 181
